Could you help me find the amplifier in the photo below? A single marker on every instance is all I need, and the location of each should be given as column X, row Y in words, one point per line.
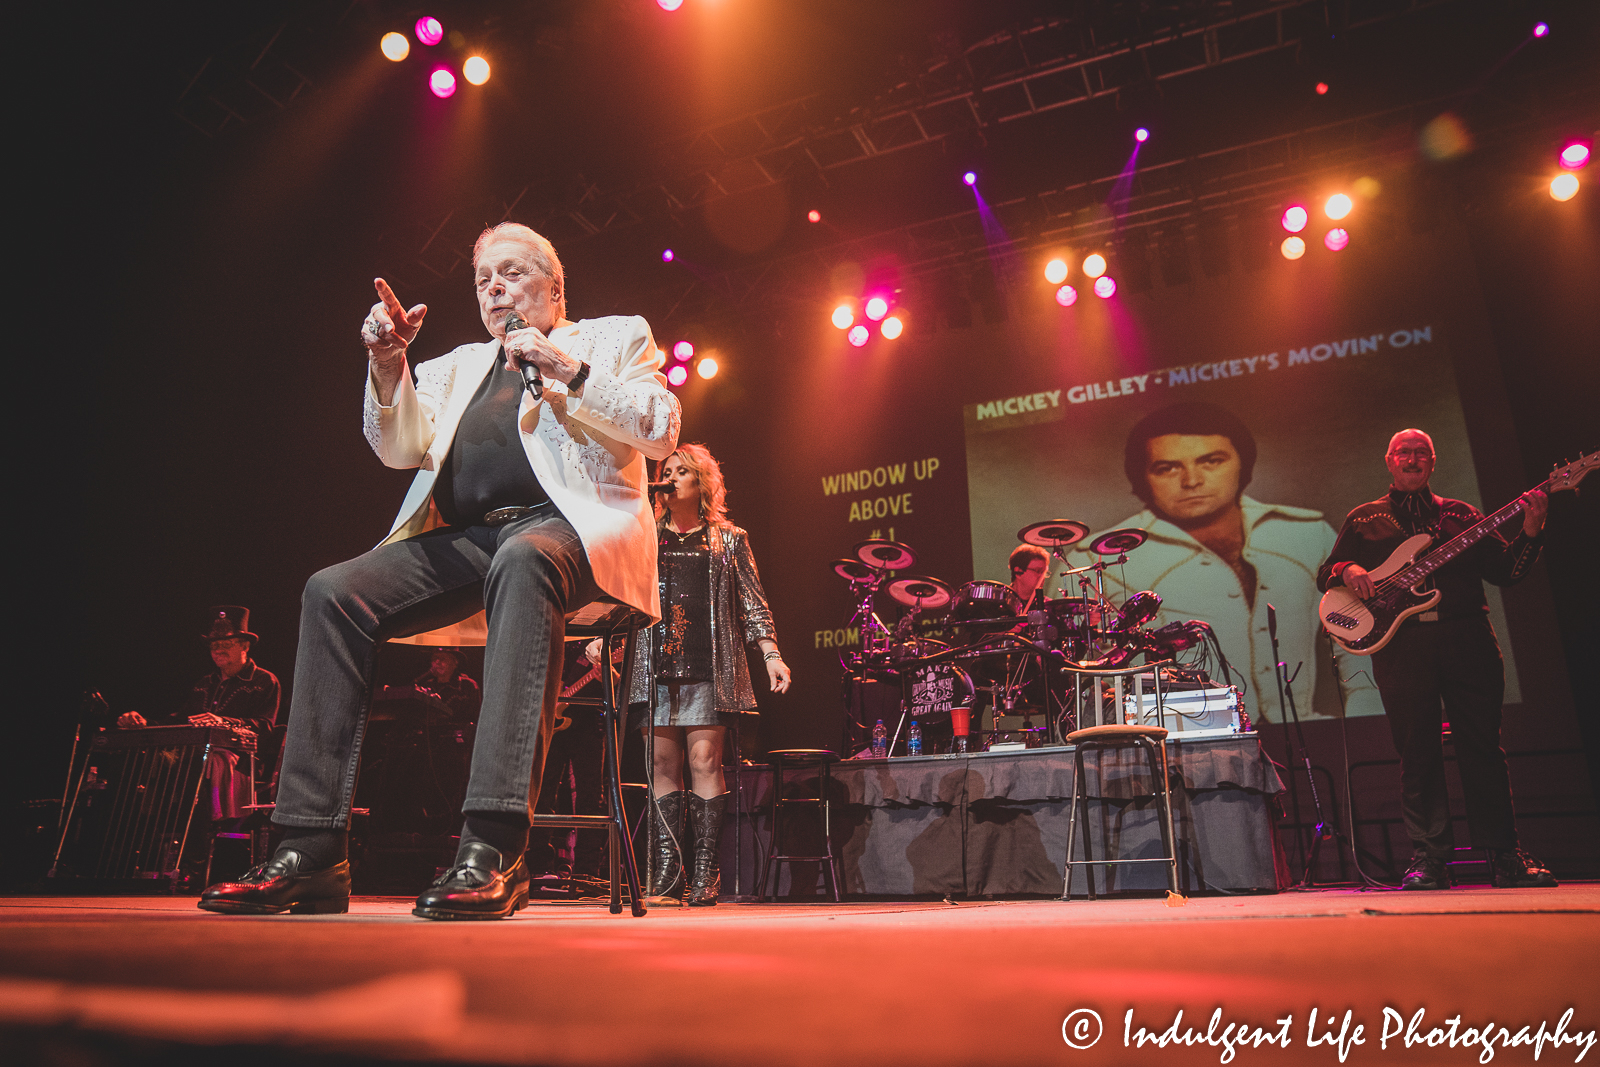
column 1189, row 714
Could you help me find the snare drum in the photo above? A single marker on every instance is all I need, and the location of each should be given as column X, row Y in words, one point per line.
column 984, row 602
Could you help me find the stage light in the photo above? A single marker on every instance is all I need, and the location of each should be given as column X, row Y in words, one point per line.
column 1335, row 239
column 475, row 70
column 1575, row 155
column 1066, row 296
column 843, row 316
column 667, row 256
column 1055, row 271
column 1564, row 186
column 669, row 5
column 813, row 215
column 707, row 368
column 1094, row 265
column 1540, row 29
column 858, row 335
column 683, row 350
column 677, row 375
column 429, row 32
column 1295, row 218
column 892, row 327
column 1337, row 207
column 1292, row 248
column 1322, row 88
column 877, row 308
column 1104, row 286
column 395, row 46
column 442, row 82
column 1141, row 135
column 970, row 178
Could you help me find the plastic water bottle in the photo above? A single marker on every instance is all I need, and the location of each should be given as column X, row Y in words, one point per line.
column 880, row 741
column 914, row 740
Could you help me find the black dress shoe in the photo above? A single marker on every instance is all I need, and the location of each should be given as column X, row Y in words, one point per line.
column 476, row 887
column 1513, row 868
column 279, row 885
column 1425, row 872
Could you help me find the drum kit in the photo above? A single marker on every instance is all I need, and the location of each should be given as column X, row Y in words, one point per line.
column 953, row 643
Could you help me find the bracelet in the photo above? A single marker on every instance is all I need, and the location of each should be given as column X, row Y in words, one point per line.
column 774, row 654
column 579, row 378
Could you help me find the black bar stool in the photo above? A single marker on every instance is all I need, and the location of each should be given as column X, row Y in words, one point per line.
column 797, row 759
column 1152, row 739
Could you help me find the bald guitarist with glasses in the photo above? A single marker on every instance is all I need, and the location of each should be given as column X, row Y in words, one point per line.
column 1445, row 658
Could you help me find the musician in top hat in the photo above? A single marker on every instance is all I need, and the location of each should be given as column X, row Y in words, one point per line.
column 239, row 693
column 1446, row 658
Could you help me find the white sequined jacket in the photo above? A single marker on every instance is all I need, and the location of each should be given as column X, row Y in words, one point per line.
column 588, row 452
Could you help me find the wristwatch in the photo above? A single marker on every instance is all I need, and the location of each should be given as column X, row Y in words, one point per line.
column 578, row 379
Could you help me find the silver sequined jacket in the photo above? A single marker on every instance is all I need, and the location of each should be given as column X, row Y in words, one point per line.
column 739, row 617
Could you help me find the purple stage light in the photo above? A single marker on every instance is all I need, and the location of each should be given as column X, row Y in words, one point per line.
column 970, row 178
column 1066, row 296
column 1575, row 155
column 1541, row 29
column 442, row 82
column 1104, row 286
column 429, row 32
column 1141, row 135
column 667, row 256
column 858, row 335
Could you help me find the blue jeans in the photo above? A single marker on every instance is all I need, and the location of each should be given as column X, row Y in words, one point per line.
column 527, row 575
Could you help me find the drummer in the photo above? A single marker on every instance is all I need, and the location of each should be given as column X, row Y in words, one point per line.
column 1030, row 572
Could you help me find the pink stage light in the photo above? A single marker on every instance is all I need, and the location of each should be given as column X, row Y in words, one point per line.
column 1322, row 88
column 892, row 327
column 813, row 215
column 858, row 335
column 442, row 82
column 1295, row 219
column 429, row 32
column 970, row 178
column 1141, row 135
column 1104, row 286
column 669, row 5
column 683, row 350
column 677, row 375
column 877, row 308
column 667, row 256
column 844, row 317
column 1336, row 239
column 1066, row 296
column 1575, row 155
column 1541, row 29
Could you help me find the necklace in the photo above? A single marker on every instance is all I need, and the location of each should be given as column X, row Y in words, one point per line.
column 685, row 535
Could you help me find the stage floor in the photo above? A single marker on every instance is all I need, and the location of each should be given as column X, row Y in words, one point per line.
column 154, row 980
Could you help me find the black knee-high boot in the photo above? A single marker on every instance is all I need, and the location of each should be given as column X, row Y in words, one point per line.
column 705, row 815
column 666, row 854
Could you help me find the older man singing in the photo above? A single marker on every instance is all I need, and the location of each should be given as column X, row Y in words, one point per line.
column 527, row 507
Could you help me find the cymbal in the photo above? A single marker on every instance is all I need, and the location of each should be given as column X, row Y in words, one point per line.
column 1116, row 542
column 920, row 592
column 853, row 570
column 886, row 555
column 1053, row 533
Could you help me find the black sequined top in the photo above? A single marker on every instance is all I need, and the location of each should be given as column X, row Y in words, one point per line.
column 685, row 649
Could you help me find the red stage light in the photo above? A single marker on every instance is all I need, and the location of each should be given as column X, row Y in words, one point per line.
column 395, row 46
column 858, row 335
column 1575, row 155
column 892, row 327
column 1104, row 286
column 877, row 308
column 1066, row 296
column 677, row 375
column 813, row 215
column 683, row 350
column 442, row 82
column 429, row 32
column 1336, row 239
column 1295, row 218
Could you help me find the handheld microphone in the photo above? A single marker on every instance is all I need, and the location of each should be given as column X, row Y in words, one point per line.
column 530, row 373
column 661, row 487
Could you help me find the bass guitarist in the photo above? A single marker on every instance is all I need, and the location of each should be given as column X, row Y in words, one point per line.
column 1445, row 657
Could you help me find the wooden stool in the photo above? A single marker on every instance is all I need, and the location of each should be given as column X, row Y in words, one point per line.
column 822, row 759
column 1150, row 738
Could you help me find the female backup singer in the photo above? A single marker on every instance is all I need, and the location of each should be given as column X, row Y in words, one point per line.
column 712, row 605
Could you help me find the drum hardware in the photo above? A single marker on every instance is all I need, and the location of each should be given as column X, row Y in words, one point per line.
column 1118, row 542
column 853, row 570
column 921, row 593
column 1053, row 533
column 886, row 555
